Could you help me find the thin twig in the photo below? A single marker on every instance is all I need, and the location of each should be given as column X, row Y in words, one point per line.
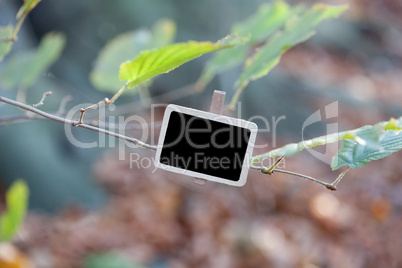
column 337, row 180
column 17, row 28
column 106, row 102
column 62, row 108
column 73, row 123
column 41, row 102
column 13, row 37
column 30, row 116
column 271, row 168
column 329, row 186
column 27, row 116
column 93, row 106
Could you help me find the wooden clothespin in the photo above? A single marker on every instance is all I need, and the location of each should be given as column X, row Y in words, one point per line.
column 217, row 105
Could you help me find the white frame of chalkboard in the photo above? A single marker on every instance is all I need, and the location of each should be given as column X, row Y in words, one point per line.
column 214, row 117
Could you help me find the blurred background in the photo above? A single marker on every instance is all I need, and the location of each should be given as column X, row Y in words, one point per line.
column 88, row 208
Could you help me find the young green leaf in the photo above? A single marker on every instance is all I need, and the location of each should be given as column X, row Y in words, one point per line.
column 222, row 61
column 5, row 45
column 394, row 124
column 268, row 19
column 27, row 7
column 17, row 200
column 360, row 146
column 24, row 68
column 105, row 75
column 298, row 29
column 354, row 154
column 155, row 62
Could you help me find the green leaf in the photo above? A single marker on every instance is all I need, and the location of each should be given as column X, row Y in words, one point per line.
column 110, row 260
column 27, row 7
column 298, row 29
column 354, row 154
column 268, row 19
column 360, row 146
column 12, row 218
column 223, row 61
column 5, row 45
column 394, row 124
column 258, row 27
column 105, row 75
column 155, row 62
column 24, row 68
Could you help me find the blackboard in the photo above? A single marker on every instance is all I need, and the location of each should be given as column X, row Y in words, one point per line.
column 205, row 145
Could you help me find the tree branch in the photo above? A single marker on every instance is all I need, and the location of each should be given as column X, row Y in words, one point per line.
column 329, row 186
column 30, row 116
column 265, row 170
column 73, row 123
column 106, row 102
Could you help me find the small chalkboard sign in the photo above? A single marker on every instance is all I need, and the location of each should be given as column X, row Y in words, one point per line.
column 205, row 145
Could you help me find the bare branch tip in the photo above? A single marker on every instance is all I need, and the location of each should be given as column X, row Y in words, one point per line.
column 267, row 171
column 41, row 102
column 331, row 187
